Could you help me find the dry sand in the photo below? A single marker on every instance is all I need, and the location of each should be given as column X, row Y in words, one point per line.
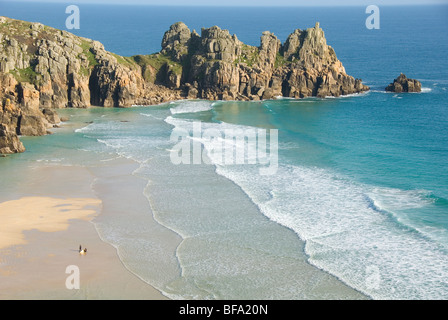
column 42, row 214
column 39, row 240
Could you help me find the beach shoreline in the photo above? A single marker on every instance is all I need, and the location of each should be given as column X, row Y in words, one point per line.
column 35, row 264
column 128, row 213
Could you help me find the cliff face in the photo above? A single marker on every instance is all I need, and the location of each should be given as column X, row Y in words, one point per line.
column 58, row 69
column 42, row 68
column 66, row 70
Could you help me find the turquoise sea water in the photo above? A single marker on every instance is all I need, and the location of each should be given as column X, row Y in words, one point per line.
column 362, row 180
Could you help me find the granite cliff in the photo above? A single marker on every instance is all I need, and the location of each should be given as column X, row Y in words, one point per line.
column 216, row 65
column 42, row 69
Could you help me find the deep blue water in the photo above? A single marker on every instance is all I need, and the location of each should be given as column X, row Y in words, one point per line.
column 363, row 180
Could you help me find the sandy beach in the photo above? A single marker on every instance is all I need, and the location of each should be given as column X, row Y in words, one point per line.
column 40, row 233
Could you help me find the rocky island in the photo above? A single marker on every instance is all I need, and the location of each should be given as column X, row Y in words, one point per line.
column 404, row 84
column 42, row 69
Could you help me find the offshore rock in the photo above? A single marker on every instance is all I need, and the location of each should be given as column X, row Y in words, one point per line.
column 404, row 84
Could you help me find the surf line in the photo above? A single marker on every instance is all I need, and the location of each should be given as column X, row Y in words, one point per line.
column 226, row 147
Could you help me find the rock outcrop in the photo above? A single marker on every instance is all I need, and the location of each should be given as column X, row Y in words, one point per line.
column 216, row 65
column 9, row 141
column 66, row 70
column 20, row 114
column 404, row 84
column 42, row 69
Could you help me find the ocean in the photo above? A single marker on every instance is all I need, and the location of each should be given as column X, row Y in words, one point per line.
column 359, row 197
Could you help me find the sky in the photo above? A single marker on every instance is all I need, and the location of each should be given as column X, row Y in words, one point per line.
column 257, row 2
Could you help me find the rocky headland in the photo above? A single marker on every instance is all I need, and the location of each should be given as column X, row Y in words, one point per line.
column 43, row 69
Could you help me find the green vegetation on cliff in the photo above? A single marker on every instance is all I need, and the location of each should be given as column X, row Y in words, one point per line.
column 87, row 51
column 249, row 55
column 280, row 60
column 125, row 61
column 27, row 75
column 154, row 65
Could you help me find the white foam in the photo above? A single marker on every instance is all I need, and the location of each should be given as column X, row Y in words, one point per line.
column 345, row 235
column 109, row 126
column 343, row 223
column 349, row 228
column 83, row 129
column 176, row 122
column 191, row 106
column 224, row 142
column 379, row 91
column 350, row 95
column 392, row 199
column 403, row 205
column 150, row 116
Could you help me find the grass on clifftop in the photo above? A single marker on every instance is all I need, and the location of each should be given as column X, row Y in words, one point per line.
column 126, row 61
column 85, row 46
column 157, row 62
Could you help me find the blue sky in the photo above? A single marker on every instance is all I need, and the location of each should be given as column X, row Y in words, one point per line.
column 258, row 2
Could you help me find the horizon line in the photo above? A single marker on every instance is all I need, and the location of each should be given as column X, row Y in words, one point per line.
column 133, row 3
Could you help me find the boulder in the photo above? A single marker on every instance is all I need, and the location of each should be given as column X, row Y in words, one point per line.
column 32, row 125
column 51, row 116
column 9, row 141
